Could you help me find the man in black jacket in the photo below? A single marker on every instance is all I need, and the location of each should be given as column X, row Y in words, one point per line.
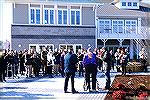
column 3, row 67
column 107, row 59
column 70, row 61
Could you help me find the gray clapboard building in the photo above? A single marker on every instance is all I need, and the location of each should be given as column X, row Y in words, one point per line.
column 79, row 23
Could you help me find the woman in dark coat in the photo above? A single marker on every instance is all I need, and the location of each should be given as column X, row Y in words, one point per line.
column 21, row 62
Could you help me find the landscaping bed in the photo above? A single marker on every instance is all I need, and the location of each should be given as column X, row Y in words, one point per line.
column 130, row 87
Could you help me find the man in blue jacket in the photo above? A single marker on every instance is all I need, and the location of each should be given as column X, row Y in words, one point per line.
column 70, row 61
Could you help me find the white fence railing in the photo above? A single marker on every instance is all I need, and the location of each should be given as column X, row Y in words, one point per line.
column 139, row 33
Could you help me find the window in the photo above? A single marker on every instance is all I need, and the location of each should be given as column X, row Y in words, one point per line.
column 134, row 3
column 51, row 16
column 131, row 26
column 120, row 26
column 105, row 26
column 117, row 26
column 101, row 26
column 59, row 16
column 78, row 17
column 123, row 3
column 129, row 4
column 75, row 47
column 38, row 47
column 65, row 17
column 35, row 15
column 48, row 16
column 62, row 16
column 75, row 17
column 32, row 16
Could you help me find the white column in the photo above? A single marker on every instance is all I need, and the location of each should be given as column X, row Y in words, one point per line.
column 137, row 49
column 139, row 27
column 104, row 41
column 120, row 42
column 96, row 32
column 131, row 49
column 56, row 14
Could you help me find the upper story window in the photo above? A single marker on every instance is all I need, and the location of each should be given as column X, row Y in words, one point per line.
column 105, row 26
column 131, row 26
column 35, row 14
column 62, row 16
column 75, row 17
column 48, row 16
column 129, row 4
column 134, row 3
column 117, row 26
column 123, row 3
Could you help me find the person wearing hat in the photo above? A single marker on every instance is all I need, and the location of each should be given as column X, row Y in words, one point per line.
column 90, row 64
column 70, row 61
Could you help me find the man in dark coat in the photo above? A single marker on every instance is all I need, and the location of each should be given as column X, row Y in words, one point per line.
column 108, row 60
column 3, row 67
column 70, row 61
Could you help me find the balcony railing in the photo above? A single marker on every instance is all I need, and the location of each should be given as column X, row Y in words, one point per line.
column 138, row 33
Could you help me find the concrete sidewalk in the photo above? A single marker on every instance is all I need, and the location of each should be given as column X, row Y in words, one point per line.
column 51, row 88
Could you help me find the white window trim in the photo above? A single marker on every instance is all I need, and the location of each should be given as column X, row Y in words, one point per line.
column 75, row 17
column 131, row 25
column 118, row 26
column 48, row 15
column 62, row 16
column 34, row 15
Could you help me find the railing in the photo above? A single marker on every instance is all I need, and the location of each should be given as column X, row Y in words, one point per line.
column 140, row 33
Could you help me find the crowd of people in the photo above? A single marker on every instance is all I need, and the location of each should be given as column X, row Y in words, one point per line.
column 66, row 63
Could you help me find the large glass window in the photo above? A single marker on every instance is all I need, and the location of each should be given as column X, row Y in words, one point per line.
column 35, row 15
column 105, row 26
column 117, row 26
column 101, row 26
column 131, row 26
column 51, row 16
column 48, row 16
column 121, row 26
column 59, row 16
column 75, row 17
column 32, row 16
column 78, row 17
column 62, row 16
